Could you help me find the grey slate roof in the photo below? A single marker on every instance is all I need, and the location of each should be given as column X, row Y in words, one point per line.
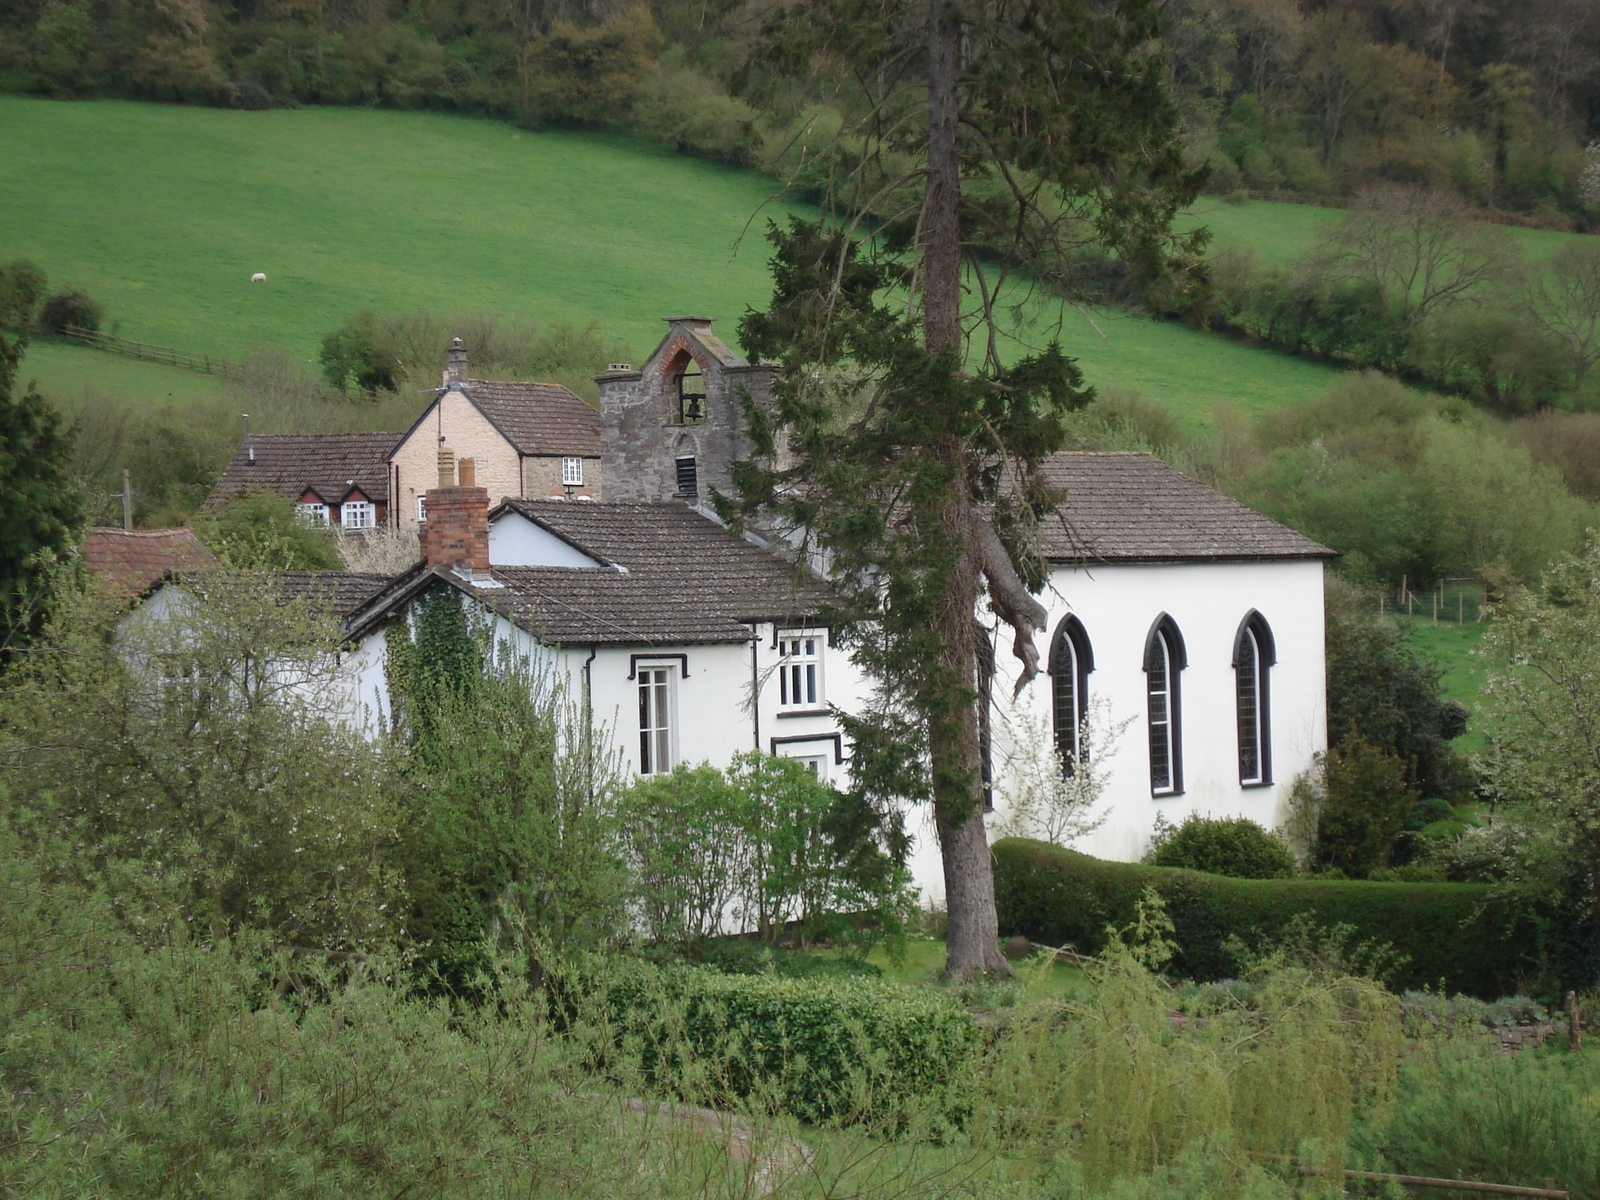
column 1130, row 507
column 338, row 593
column 289, row 463
column 684, row 580
column 541, row 419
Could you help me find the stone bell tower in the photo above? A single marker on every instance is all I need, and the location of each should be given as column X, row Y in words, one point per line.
column 669, row 429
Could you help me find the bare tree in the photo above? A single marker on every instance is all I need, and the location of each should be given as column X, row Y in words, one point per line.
column 1564, row 301
column 1419, row 249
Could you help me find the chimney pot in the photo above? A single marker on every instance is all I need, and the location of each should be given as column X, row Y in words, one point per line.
column 447, row 467
column 467, row 473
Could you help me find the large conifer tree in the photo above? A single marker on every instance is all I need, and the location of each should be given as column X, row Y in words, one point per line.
column 988, row 145
column 39, row 508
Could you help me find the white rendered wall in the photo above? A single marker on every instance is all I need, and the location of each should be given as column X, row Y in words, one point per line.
column 515, row 541
column 1118, row 605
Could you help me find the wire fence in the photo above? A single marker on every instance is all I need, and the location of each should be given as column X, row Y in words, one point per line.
column 1443, row 602
column 150, row 352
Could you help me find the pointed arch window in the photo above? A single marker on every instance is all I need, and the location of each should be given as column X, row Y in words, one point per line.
column 1164, row 661
column 1071, row 660
column 1253, row 657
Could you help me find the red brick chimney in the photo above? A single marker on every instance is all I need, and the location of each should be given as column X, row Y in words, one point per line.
column 456, row 533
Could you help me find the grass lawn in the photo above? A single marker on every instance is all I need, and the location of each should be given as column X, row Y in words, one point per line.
column 1451, row 646
column 65, row 370
column 925, row 960
column 163, row 212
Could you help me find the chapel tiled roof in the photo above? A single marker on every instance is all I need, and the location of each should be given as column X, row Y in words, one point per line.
column 135, row 560
column 1131, row 507
column 671, row 576
column 539, row 418
column 289, row 463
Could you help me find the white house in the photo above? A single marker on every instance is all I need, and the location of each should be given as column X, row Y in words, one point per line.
column 690, row 643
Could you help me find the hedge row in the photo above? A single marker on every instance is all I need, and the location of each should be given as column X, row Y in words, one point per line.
column 1468, row 938
column 825, row 1049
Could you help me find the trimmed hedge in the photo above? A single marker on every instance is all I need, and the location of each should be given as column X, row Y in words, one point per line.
column 1470, row 938
column 850, row 1049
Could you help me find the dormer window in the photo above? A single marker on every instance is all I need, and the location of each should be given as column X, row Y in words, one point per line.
column 691, row 395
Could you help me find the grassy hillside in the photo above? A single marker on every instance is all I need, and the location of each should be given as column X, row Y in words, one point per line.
column 163, row 213
column 1279, row 232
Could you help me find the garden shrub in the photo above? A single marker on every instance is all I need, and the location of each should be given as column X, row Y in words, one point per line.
column 823, row 1049
column 1468, row 1113
column 1232, row 846
column 1471, row 938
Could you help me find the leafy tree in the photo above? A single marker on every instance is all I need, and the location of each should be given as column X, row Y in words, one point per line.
column 199, row 762
column 1542, row 717
column 1363, row 807
column 1380, row 691
column 39, row 507
column 1564, row 301
column 512, row 797
column 70, row 308
column 766, row 843
column 261, row 531
column 362, row 353
column 1418, row 249
column 912, row 445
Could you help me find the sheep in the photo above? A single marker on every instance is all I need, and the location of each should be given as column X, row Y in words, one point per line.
column 259, row 277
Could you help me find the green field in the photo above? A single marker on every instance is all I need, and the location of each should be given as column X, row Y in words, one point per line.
column 1280, row 232
column 163, row 213
column 1451, row 646
column 66, row 370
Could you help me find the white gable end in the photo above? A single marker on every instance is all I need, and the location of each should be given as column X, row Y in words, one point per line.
column 515, row 541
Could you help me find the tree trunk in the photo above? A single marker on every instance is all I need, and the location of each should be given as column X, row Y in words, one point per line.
column 972, row 937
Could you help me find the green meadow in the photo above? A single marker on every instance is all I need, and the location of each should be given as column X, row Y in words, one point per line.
column 1278, row 232
column 163, row 213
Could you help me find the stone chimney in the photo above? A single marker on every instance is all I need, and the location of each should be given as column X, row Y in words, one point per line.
column 455, row 362
column 456, row 533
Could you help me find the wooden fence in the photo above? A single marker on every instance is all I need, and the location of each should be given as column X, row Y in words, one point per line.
column 172, row 357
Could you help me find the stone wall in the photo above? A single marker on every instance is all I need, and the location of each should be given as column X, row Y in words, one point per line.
column 641, row 437
column 541, row 478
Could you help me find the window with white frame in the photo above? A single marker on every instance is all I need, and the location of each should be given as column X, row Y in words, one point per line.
column 800, row 670
column 655, row 720
column 356, row 514
column 422, row 510
column 311, row 514
column 572, row 472
column 1163, row 662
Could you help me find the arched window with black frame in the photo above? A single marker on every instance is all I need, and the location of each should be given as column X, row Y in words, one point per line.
column 1253, row 656
column 1071, row 660
column 1164, row 661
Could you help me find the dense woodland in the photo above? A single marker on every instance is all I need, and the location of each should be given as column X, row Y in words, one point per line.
column 1495, row 101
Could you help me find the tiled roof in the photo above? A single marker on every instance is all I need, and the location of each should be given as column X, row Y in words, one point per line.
column 539, row 418
column 289, row 463
column 135, row 560
column 1129, row 507
column 338, row 593
column 684, row 579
